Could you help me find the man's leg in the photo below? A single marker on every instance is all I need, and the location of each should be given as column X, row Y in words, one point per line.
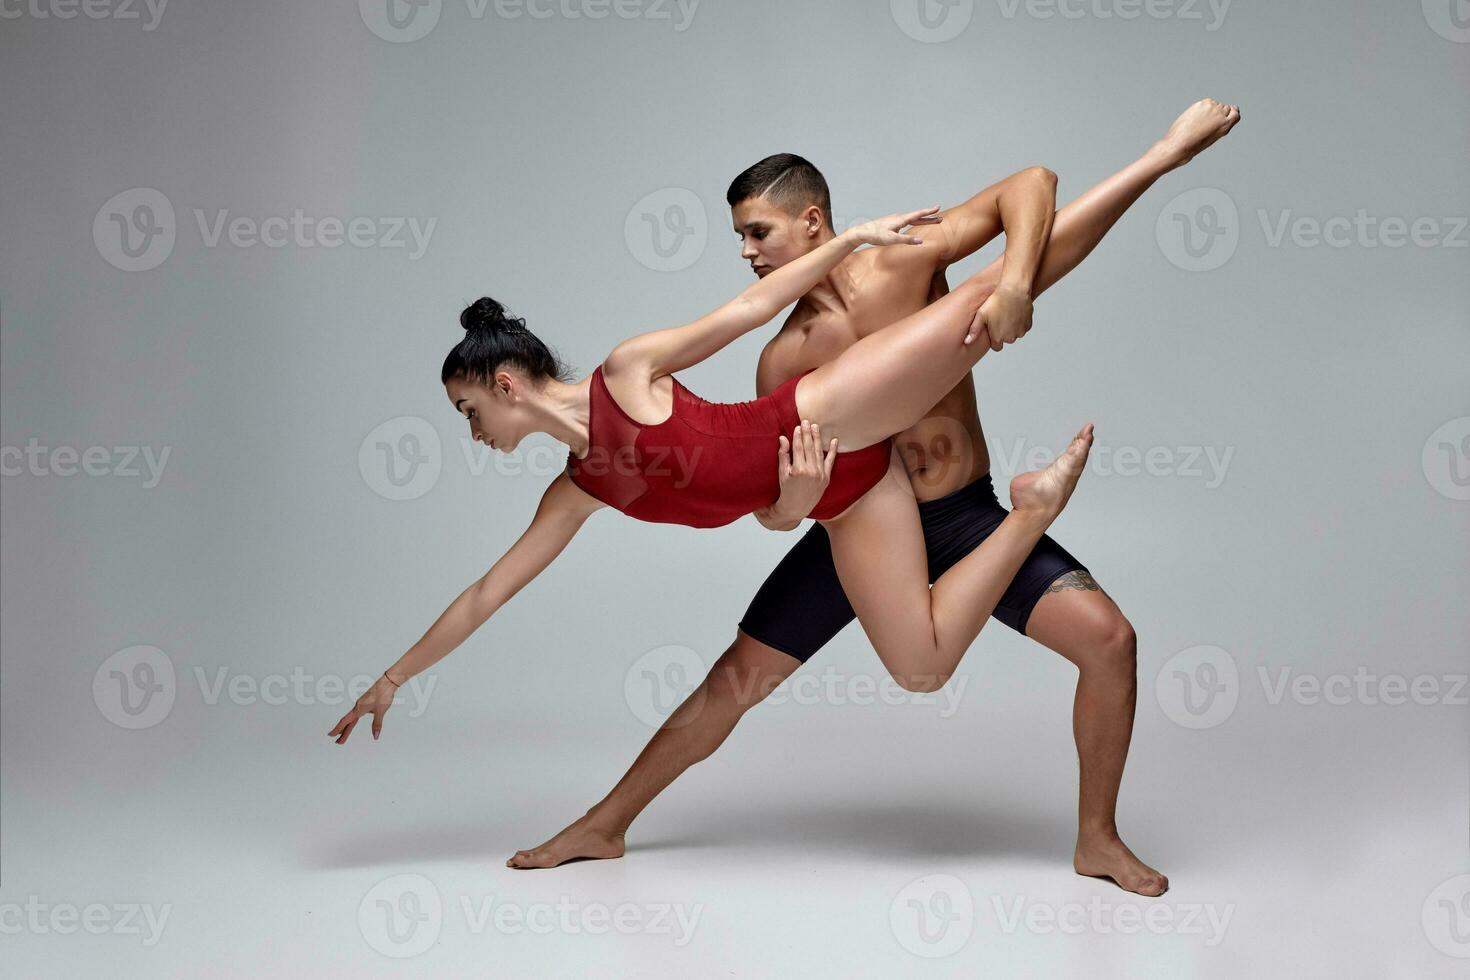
column 1078, row 620
column 1054, row 600
column 796, row 611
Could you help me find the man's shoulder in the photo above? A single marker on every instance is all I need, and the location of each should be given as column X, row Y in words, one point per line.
column 918, row 262
column 779, row 357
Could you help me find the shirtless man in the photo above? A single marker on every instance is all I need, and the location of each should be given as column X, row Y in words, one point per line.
column 781, row 210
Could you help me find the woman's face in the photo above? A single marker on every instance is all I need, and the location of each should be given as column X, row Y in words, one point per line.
column 496, row 412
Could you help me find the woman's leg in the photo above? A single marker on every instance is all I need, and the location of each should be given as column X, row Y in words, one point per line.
column 890, row 379
column 864, row 400
column 1083, row 222
column 920, row 633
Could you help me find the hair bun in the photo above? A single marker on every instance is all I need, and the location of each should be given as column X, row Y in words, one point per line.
column 487, row 314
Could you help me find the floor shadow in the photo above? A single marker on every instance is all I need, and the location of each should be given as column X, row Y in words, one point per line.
column 933, row 829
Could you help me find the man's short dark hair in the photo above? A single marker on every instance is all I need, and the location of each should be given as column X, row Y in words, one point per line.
column 790, row 182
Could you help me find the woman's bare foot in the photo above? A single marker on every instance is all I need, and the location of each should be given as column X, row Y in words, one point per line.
column 1106, row 856
column 1045, row 492
column 1197, row 128
column 582, row 840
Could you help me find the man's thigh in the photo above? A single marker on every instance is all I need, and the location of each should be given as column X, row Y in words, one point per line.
column 1078, row 620
column 801, row 604
column 958, row 523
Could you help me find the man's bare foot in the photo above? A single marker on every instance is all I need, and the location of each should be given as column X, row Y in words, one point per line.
column 1197, row 128
column 1045, row 492
column 1109, row 857
column 580, row 840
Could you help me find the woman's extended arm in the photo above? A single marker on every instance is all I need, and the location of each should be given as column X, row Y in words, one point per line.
column 666, row 351
column 561, row 513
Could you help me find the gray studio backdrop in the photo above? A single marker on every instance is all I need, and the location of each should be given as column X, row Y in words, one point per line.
column 234, row 240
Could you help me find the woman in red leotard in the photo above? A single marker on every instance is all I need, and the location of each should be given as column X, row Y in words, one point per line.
column 642, row 443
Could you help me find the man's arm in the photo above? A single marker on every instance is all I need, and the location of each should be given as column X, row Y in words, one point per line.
column 1016, row 205
column 1022, row 206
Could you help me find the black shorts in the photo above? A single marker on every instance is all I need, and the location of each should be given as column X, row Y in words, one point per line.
column 801, row 605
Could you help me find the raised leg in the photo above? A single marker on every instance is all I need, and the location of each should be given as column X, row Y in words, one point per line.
column 1083, row 222
column 921, row 632
column 890, row 379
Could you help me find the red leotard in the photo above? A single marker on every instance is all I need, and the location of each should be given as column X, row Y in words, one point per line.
column 708, row 463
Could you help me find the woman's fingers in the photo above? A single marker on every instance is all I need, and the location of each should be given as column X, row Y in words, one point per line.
column 831, row 459
column 926, row 216
column 378, row 714
column 345, row 726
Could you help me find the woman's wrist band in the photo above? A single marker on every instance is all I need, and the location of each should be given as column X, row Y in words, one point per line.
column 391, row 680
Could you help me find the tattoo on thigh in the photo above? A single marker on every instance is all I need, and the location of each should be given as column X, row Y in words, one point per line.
column 1080, row 580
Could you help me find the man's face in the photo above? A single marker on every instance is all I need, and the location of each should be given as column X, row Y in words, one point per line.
column 769, row 237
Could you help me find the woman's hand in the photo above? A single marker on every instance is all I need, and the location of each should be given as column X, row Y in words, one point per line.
column 885, row 231
column 375, row 701
column 804, row 471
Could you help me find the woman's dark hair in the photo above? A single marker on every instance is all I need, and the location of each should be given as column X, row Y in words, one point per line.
column 493, row 338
